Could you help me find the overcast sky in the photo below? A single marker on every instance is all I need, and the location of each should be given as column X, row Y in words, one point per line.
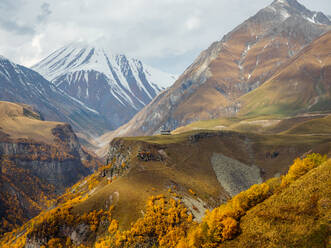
column 167, row 34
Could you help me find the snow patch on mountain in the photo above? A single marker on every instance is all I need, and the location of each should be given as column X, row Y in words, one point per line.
column 159, row 78
column 81, row 103
column 312, row 19
column 288, row 8
column 284, row 14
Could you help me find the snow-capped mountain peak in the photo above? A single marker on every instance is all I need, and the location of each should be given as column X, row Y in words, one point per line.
column 81, row 56
column 103, row 80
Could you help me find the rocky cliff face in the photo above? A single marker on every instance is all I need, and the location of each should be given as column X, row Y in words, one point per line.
column 61, row 163
column 56, row 167
column 39, row 160
column 32, row 173
column 241, row 62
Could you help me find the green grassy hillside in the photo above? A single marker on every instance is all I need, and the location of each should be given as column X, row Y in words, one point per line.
column 308, row 124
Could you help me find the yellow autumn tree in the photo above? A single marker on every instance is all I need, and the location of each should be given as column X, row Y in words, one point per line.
column 223, row 222
column 302, row 166
column 165, row 222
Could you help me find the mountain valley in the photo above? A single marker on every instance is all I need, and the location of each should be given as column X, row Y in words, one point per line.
column 99, row 149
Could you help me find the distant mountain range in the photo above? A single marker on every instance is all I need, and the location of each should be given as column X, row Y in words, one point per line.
column 240, row 63
column 23, row 85
column 248, row 106
column 113, row 84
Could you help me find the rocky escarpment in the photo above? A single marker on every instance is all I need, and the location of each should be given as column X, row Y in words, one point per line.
column 60, row 164
column 59, row 169
column 38, row 160
column 122, row 154
column 121, row 151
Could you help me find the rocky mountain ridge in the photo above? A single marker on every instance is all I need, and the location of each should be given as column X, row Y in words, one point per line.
column 241, row 62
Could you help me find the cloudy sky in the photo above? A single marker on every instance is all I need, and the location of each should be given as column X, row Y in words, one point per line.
column 167, row 34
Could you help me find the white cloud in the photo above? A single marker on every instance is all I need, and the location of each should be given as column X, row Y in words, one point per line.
column 193, row 23
column 168, row 34
column 37, row 51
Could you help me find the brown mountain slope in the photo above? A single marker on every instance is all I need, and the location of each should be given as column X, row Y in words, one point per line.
column 38, row 160
column 242, row 61
column 202, row 168
column 149, row 166
column 306, row 124
column 304, row 85
column 20, row 121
